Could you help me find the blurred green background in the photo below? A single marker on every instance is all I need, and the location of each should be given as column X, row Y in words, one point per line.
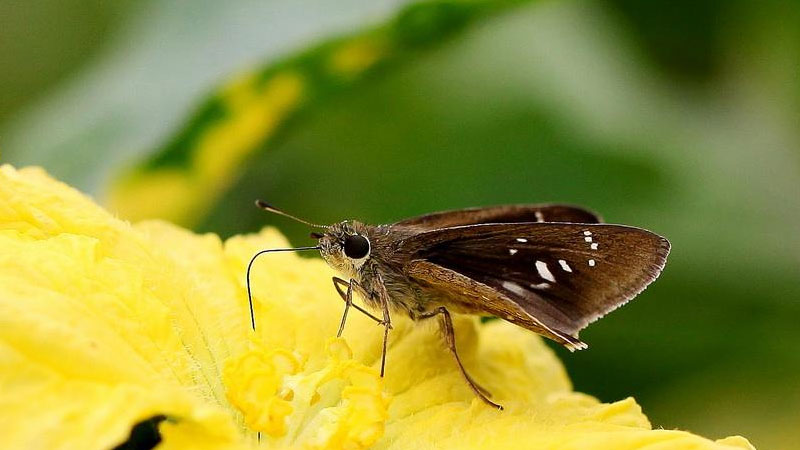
column 678, row 116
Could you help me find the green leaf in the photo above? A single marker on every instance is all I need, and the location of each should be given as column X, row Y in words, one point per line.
column 244, row 116
column 248, row 114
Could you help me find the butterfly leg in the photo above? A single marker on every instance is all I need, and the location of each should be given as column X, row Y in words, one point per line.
column 347, row 296
column 446, row 323
column 383, row 296
column 348, row 299
column 348, row 302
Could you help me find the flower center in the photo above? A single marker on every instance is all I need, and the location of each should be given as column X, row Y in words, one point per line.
column 341, row 404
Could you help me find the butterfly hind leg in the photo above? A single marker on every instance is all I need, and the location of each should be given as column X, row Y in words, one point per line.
column 446, row 323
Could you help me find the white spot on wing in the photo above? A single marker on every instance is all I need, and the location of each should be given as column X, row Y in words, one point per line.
column 522, row 240
column 512, row 251
column 564, row 265
column 587, row 233
column 588, row 239
column 514, row 287
column 594, row 246
column 592, row 263
column 540, row 285
column 539, row 216
column 544, row 272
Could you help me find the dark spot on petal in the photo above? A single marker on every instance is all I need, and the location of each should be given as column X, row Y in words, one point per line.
column 144, row 435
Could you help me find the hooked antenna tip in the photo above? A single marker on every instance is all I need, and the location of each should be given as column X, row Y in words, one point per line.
column 269, row 208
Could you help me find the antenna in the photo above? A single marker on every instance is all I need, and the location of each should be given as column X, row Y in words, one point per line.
column 269, row 208
column 250, row 266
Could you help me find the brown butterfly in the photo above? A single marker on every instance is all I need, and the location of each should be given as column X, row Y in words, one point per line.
column 552, row 269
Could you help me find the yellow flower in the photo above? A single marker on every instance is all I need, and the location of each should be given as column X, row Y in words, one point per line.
column 104, row 325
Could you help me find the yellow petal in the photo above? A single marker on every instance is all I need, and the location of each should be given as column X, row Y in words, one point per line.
column 88, row 342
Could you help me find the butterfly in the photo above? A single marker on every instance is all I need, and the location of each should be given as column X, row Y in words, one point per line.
column 549, row 268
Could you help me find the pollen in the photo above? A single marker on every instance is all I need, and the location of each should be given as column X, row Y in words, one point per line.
column 257, row 385
column 275, row 392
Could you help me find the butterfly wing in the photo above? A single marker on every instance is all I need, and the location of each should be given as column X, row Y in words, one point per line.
column 479, row 298
column 556, row 277
column 502, row 214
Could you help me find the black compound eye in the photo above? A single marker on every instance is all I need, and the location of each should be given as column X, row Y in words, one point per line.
column 356, row 246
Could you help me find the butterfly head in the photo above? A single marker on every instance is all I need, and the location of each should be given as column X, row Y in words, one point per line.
column 345, row 246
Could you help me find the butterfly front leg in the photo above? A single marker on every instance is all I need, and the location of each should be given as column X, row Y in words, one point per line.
column 446, row 323
column 347, row 296
column 383, row 296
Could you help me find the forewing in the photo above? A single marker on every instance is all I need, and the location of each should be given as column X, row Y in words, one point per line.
column 502, row 214
column 562, row 275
